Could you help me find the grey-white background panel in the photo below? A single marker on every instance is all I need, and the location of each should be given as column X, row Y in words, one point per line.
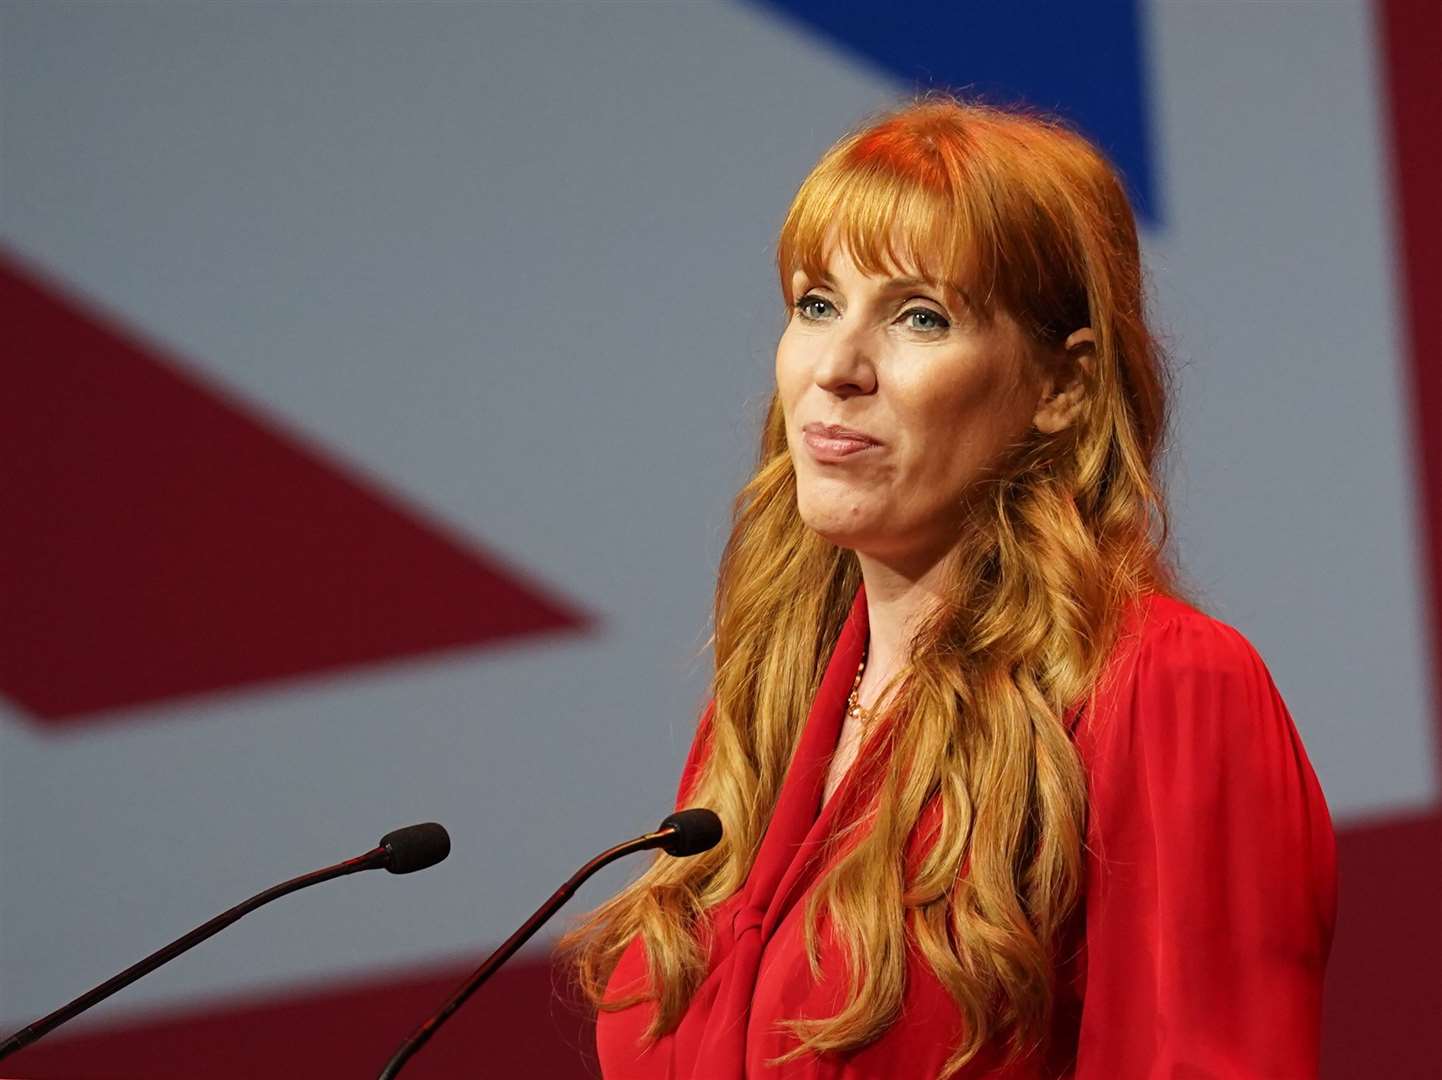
column 1296, row 507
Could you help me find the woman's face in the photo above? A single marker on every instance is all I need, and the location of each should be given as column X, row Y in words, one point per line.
column 897, row 398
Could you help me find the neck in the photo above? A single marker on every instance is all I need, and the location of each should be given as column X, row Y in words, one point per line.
column 898, row 597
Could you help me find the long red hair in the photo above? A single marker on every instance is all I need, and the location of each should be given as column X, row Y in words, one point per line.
column 1022, row 215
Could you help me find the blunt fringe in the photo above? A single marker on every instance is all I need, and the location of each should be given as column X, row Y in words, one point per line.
column 1019, row 214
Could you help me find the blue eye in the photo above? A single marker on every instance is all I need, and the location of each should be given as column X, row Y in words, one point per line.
column 813, row 307
column 924, row 319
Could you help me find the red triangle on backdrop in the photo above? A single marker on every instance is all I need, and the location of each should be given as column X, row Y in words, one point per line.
column 163, row 540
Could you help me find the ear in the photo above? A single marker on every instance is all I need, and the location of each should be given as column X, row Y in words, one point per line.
column 1064, row 387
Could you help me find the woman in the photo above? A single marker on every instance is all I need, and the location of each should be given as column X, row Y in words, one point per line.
column 996, row 802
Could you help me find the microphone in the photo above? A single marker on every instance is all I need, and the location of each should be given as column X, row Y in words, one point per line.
column 403, row 851
column 686, row 832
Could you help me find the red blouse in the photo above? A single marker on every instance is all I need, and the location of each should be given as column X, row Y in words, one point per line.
column 1198, row 949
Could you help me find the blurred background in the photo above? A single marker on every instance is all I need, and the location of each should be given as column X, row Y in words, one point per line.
column 377, row 379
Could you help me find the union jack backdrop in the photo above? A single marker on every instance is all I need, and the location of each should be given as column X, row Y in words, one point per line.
column 377, row 378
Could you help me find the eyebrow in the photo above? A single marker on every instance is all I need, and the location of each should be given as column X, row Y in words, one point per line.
column 949, row 293
column 896, row 283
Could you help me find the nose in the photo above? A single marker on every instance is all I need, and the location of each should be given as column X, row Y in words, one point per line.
column 846, row 367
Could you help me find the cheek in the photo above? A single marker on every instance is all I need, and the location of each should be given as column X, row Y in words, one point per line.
column 788, row 369
column 963, row 424
column 793, row 376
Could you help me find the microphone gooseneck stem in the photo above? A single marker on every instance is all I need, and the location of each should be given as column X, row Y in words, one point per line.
column 507, row 948
column 25, row 1036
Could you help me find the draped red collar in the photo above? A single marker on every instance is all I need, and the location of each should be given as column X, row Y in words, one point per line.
column 792, row 855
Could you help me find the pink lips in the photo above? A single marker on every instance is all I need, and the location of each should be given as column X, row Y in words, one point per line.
column 832, row 442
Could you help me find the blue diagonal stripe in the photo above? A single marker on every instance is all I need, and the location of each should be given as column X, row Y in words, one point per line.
column 1082, row 61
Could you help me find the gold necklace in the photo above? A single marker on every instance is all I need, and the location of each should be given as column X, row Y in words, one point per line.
column 854, row 708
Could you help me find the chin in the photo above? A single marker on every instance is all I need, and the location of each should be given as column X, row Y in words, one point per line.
column 839, row 522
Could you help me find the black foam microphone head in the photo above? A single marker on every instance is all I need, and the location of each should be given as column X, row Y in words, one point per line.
column 415, row 847
column 696, row 830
